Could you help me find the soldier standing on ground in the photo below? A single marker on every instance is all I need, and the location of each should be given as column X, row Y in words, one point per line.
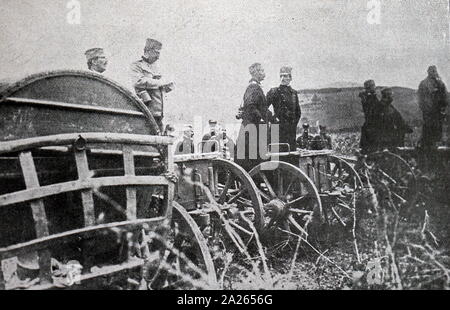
column 369, row 101
column 325, row 137
column 208, row 144
column 305, row 139
column 433, row 99
column 286, row 106
column 186, row 146
column 391, row 126
column 147, row 80
column 96, row 59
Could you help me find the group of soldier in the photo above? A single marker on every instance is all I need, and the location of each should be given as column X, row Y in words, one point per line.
column 384, row 126
column 146, row 78
column 255, row 114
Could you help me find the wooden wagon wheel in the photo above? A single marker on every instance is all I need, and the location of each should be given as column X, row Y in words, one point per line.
column 291, row 200
column 344, row 184
column 186, row 262
column 394, row 175
column 234, row 186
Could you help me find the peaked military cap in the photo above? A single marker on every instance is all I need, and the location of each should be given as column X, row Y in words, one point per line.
column 153, row 44
column 286, row 70
column 368, row 82
column 386, row 91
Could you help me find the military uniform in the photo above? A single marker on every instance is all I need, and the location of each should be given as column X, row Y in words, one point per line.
column 208, row 144
column 433, row 99
column 148, row 84
column 286, row 108
column 185, row 147
column 326, row 138
column 369, row 131
column 254, row 112
column 390, row 125
column 305, row 139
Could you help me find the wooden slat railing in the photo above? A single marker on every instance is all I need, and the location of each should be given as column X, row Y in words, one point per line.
column 34, row 194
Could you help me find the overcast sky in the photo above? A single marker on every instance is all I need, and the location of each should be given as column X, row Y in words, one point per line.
column 209, row 44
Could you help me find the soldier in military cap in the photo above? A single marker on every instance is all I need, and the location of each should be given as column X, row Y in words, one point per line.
column 325, row 137
column 305, row 139
column 391, row 126
column 208, row 144
column 369, row 101
column 286, row 106
column 254, row 114
column 96, row 59
column 148, row 82
column 212, row 130
column 433, row 99
column 186, row 146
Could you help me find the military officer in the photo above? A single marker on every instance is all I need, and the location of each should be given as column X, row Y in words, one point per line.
column 96, row 59
column 286, row 106
column 254, row 114
column 433, row 100
column 148, row 82
column 186, row 146
column 305, row 139
column 369, row 101
column 391, row 126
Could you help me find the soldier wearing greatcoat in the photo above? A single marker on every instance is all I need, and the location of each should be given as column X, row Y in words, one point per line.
column 148, row 82
column 254, row 115
column 286, row 106
column 369, row 101
column 433, row 100
column 391, row 127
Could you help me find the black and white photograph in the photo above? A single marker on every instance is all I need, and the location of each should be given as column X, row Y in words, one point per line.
column 224, row 145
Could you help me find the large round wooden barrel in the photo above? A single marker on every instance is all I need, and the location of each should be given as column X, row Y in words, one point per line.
column 70, row 102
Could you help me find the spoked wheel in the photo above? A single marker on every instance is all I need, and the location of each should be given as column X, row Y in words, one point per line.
column 235, row 189
column 182, row 259
column 290, row 198
column 344, row 183
column 394, row 178
column 233, row 213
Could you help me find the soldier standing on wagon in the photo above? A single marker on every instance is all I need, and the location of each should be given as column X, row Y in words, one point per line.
column 286, row 106
column 96, row 59
column 253, row 113
column 147, row 80
column 433, row 100
column 369, row 101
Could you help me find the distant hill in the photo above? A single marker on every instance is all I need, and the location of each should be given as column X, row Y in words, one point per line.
column 4, row 84
column 340, row 108
column 343, row 84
